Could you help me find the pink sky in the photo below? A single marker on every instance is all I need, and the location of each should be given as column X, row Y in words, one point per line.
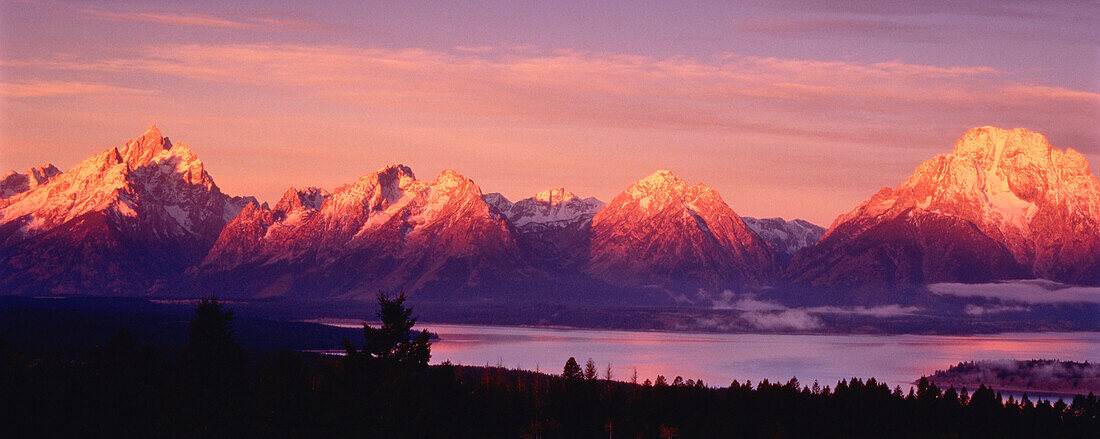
column 786, row 114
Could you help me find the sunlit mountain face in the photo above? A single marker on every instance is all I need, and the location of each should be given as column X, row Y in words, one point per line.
column 796, row 218
column 1003, row 204
column 146, row 217
column 121, row 222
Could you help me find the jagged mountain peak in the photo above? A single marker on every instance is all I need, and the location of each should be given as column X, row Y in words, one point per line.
column 554, row 208
column 657, row 181
column 555, row 196
column 43, row 173
column 989, row 143
column 14, row 183
column 142, row 149
column 392, row 230
column 450, row 178
column 395, row 174
column 147, row 205
column 498, row 201
column 309, row 198
column 398, row 170
column 662, row 190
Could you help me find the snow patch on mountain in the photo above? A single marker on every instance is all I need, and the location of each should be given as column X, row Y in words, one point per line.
column 554, row 208
column 786, row 237
column 1040, row 203
column 662, row 231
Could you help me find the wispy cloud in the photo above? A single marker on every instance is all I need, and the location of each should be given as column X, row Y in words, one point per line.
column 976, row 310
column 849, row 101
column 882, row 311
column 730, row 300
column 791, row 319
column 32, row 89
column 198, row 20
column 1026, row 291
column 764, row 314
column 854, row 27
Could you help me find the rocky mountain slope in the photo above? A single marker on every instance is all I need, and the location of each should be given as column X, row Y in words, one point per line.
column 552, row 227
column 663, row 233
column 386, row 230
column 124, row 221
column 785, row 237
column 14, row 183
column 146, row 218
column 1003, row 204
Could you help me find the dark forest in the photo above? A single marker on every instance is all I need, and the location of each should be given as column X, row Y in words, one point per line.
column 384, row 387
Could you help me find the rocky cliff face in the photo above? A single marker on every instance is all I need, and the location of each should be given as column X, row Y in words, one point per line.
column 1004, row 203
column 14, row 183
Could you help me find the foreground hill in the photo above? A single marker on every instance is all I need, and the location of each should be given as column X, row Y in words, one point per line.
column 1053, row 376
column 140, row 383
column 1004, row 204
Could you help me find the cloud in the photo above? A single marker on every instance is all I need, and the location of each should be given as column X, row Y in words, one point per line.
column 855, row 27
column 768, row 315
column 730, row 300
column 198, row 20
column 883, row 311
column 976, row 310
column 35, row 89
column 1026, row 291
column 849, row 102
column 791, row 319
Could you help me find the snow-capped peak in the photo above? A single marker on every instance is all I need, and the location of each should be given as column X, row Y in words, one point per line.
column 660, row 225
column 786, row 237
column 139, row 213
column 1041, row 203
column 555, row 196
column 552, row 208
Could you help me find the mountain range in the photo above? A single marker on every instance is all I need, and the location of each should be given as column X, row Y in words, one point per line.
column 145, row 218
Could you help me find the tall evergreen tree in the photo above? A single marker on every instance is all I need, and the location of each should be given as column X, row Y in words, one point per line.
column 572, row 371
column 394, row 341
column 590, row 372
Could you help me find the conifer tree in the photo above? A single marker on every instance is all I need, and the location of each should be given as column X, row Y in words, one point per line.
column 572, row 371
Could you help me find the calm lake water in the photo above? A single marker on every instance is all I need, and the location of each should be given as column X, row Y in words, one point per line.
column 721, row 358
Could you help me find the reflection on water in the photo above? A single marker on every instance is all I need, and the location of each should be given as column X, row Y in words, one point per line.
column 720, row 358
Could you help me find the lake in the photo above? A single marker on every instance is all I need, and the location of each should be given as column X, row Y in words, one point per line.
column 719, row 359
